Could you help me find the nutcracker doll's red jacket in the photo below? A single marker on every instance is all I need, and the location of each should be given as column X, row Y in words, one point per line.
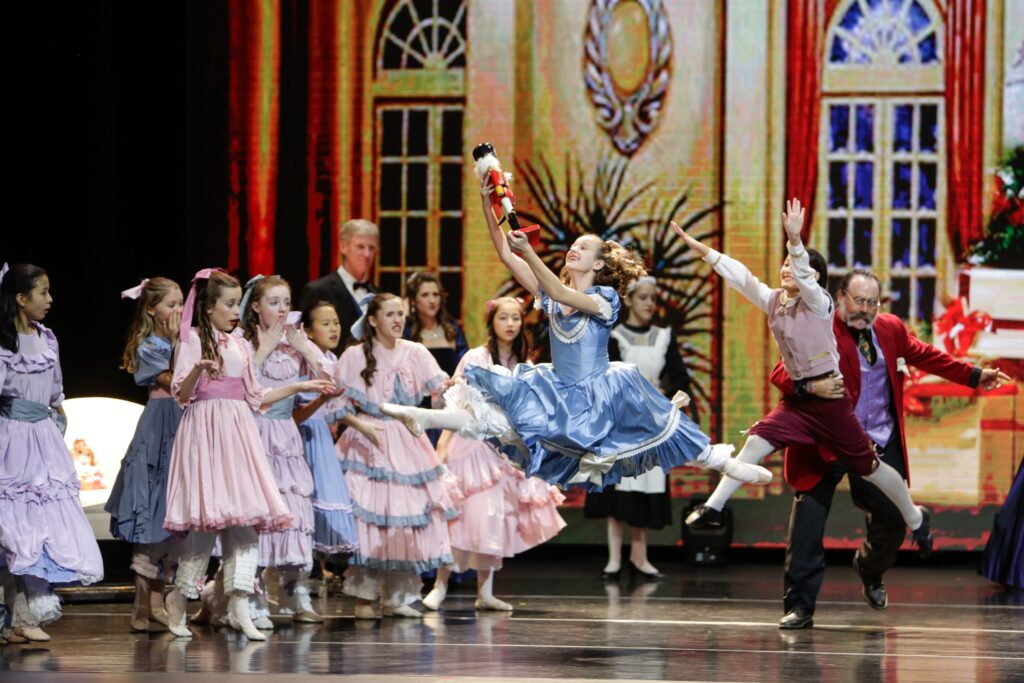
column 804, row 466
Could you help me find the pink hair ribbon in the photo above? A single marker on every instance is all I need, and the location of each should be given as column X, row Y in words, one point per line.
column 190, row 302
column 136, row 291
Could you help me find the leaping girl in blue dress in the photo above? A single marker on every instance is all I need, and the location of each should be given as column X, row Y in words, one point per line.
column 580, row 420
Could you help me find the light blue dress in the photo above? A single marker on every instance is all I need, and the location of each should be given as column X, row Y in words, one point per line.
column 334, row 527
column 138, row 500
column 583, row 420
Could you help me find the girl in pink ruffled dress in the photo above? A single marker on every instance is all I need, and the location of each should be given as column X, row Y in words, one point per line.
column 505, row 513
column 283, row 354
column 45, row 539
column 219, row 481
column 401, row 493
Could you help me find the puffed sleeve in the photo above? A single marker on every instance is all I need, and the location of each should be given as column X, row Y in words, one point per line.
column 346, row 374
column 151, row 358
column 57, row 394
column 608, row 304
column 189, row 353
column 255, row 392
column 428, row 376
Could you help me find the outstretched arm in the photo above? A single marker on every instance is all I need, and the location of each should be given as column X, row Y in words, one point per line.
column 520, row 271
column 736, row 275
column 814, row 295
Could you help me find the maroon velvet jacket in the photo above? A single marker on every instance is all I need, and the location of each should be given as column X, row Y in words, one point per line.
column 806, row 465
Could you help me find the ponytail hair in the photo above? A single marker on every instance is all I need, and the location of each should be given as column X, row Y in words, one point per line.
column 21, row 278
column 376, row 303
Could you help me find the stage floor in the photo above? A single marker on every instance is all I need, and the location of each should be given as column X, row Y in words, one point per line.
column 711, row 624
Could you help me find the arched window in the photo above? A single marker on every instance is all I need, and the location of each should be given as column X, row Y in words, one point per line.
column 882, row 179
column 418, row 100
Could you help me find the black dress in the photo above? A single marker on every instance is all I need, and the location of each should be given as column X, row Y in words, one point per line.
column 643, row 501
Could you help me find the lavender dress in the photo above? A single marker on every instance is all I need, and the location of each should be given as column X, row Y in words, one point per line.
column 43, row 529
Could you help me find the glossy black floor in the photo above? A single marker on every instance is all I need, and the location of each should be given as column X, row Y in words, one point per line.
column 944, row 623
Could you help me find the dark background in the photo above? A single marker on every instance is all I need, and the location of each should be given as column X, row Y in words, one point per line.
column 118, row 162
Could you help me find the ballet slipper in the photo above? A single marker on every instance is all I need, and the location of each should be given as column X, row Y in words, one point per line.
column 308, row 617
column 175, row 604
column 434, row 599
column 410, row 423
column 32, row 633
column 239, row 619
column 400, row 611
column 489, row 602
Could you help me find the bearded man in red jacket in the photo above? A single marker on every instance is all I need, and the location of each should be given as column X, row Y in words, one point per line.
column 875, row 350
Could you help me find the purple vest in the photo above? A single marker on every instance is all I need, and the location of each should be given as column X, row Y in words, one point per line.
column 872, row 407
column 806, row 341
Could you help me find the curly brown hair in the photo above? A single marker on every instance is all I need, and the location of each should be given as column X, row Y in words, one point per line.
column 153, row 293
column 207, row 293
column 621, row 266
column 369, row 334
column 250, row 319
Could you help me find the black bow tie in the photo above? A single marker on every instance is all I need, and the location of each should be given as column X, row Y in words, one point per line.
column 361, row 285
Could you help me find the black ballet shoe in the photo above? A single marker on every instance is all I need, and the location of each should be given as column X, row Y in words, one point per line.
column 797, row 618
column 636, row 573
column 704, row 517
column 922, row 535
column 611, row 576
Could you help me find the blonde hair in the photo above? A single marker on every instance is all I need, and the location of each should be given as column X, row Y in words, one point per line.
column 250, row 320
column 143, row 325
column 621, row 266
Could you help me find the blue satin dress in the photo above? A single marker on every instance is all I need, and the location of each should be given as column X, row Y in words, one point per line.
column 584, row 420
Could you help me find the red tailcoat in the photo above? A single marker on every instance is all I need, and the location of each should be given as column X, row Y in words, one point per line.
column 806, row 465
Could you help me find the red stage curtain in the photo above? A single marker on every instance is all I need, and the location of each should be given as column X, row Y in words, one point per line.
column 965, row 121
column 806, row 23
column 255, row 60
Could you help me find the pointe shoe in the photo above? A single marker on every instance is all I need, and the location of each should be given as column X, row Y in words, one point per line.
column 400, row 611
column 33, row 633
column 263, row 623
column 239, row 619
column 308, row 617
column 492, row 603
column 704, row 517
column 365, row 612
column 433, row 600
column 410, row 423
column 175, row 604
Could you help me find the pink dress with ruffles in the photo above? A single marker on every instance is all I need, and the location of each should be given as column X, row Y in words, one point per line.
column 43, row 529
column 219, row 475
column 504, row 512
column 402, row 496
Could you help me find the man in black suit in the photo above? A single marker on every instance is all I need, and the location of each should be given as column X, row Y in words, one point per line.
column 346, row 287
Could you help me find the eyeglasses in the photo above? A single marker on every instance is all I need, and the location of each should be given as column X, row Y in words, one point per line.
column 864, row 303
